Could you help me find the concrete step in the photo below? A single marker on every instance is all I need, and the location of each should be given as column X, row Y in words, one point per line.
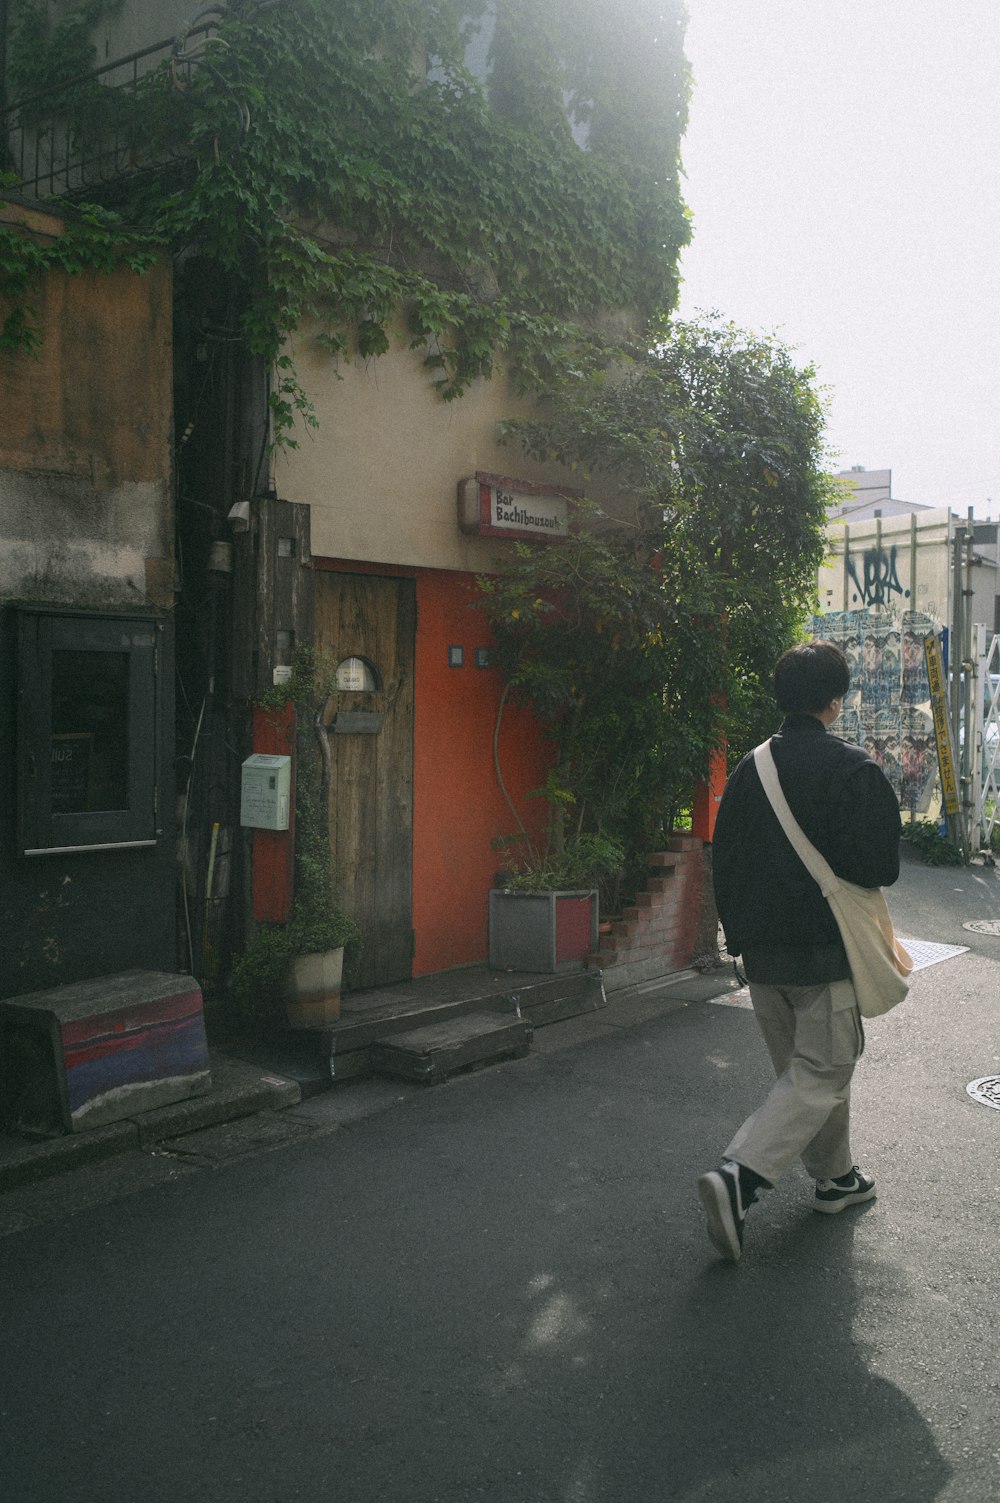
column 437, row 1050
column 319, row 1058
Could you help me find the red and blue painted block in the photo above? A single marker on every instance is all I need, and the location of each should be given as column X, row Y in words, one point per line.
column 98, row 1051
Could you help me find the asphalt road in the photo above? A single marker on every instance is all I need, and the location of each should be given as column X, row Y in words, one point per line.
column 500, row 1288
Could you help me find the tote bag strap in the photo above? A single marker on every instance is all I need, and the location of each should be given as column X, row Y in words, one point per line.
column 816, row 865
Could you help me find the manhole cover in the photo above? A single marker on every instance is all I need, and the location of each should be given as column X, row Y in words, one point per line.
column 986, row 1090
column 983, row 926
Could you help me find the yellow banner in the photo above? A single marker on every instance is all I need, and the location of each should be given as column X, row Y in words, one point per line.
column 939, row 709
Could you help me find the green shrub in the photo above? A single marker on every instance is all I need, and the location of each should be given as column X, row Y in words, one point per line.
column 584, row 861
column 935, row 848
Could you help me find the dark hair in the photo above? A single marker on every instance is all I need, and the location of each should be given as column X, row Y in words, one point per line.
column 807, row 677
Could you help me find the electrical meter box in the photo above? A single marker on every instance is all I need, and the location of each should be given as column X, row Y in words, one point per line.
column 265, row 792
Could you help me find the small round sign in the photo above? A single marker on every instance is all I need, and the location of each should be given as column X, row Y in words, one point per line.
column 986, row 1090
column 983, row 926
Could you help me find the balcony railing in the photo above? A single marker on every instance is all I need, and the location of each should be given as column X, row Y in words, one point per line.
column 124, row 118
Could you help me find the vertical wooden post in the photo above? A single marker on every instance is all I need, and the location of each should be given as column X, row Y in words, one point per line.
column 274, row 850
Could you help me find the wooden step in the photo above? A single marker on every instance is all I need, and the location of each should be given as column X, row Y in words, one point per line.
column 441, row 1049
column 321, row 1057
column 561, row 997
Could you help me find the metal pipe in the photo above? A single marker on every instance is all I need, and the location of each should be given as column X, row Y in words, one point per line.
column 955, row 633
column 207, row 948
column 956, row 821
column 968, row 682
column 3, row 66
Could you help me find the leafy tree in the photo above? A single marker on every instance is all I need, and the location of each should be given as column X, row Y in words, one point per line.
column 642, row 643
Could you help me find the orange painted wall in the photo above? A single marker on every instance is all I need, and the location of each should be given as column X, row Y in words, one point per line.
column 457, row 803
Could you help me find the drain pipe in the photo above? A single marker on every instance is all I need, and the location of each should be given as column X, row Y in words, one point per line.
column 969, row 685
column 3, row 58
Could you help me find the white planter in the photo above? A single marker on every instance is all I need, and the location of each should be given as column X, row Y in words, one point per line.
column 312, row 989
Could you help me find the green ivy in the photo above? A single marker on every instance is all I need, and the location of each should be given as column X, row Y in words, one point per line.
column 642, row 646
column 583, row 861
column 47, row 54
column 379, row 180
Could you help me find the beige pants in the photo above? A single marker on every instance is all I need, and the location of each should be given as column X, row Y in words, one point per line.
column 815, row 1038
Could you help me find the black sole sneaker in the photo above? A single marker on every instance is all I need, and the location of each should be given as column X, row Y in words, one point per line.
column 833, row 1195
column 725, row 1209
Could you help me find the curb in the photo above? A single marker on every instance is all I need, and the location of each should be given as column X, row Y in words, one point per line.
column 240, row 1089
column 237, row 1090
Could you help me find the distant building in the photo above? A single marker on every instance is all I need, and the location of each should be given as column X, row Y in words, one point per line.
column 868, row 493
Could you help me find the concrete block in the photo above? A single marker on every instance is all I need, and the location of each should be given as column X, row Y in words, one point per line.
column 96, row 1052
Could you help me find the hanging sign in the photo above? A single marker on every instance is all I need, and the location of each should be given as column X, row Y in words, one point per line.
column 942, row 730
column 494, row 506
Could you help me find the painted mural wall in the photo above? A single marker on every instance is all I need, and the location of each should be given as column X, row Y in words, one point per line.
column 887, row 709
column 885, row 586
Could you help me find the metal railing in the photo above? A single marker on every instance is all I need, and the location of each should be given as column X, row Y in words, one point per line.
column 68, row 141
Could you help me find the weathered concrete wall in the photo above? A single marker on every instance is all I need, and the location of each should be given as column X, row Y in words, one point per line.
column 86, row 510
column 86, row 521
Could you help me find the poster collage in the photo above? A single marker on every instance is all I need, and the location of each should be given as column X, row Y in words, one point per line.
column 887, row 709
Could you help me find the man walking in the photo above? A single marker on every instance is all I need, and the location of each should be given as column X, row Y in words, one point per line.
column 776, row 918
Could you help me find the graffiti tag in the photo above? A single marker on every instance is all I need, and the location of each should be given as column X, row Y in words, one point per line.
column 879, row 577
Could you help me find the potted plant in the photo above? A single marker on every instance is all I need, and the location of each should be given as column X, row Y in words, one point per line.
column 293, row 972
column 583, row 637
column 544, row 908
column 297, row 967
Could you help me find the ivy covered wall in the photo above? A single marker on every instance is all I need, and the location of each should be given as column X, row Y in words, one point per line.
column 353, row 190
column 503, row 173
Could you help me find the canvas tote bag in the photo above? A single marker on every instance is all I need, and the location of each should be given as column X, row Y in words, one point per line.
column 880, row 966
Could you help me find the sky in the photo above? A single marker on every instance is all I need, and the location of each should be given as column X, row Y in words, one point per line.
column 842, row 168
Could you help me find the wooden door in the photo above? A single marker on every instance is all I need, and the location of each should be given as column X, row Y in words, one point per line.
column 365, row 628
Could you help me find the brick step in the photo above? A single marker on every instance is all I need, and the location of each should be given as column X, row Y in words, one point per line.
column 438, row 1050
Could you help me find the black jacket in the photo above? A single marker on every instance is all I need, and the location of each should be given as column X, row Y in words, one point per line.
column 772, row 911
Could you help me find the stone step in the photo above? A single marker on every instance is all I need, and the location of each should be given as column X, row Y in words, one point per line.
column 437, row 1050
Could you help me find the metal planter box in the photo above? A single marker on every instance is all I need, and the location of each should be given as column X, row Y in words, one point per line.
column 542, row 931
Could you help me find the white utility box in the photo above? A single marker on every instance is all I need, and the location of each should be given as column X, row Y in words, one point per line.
column 265, row 792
